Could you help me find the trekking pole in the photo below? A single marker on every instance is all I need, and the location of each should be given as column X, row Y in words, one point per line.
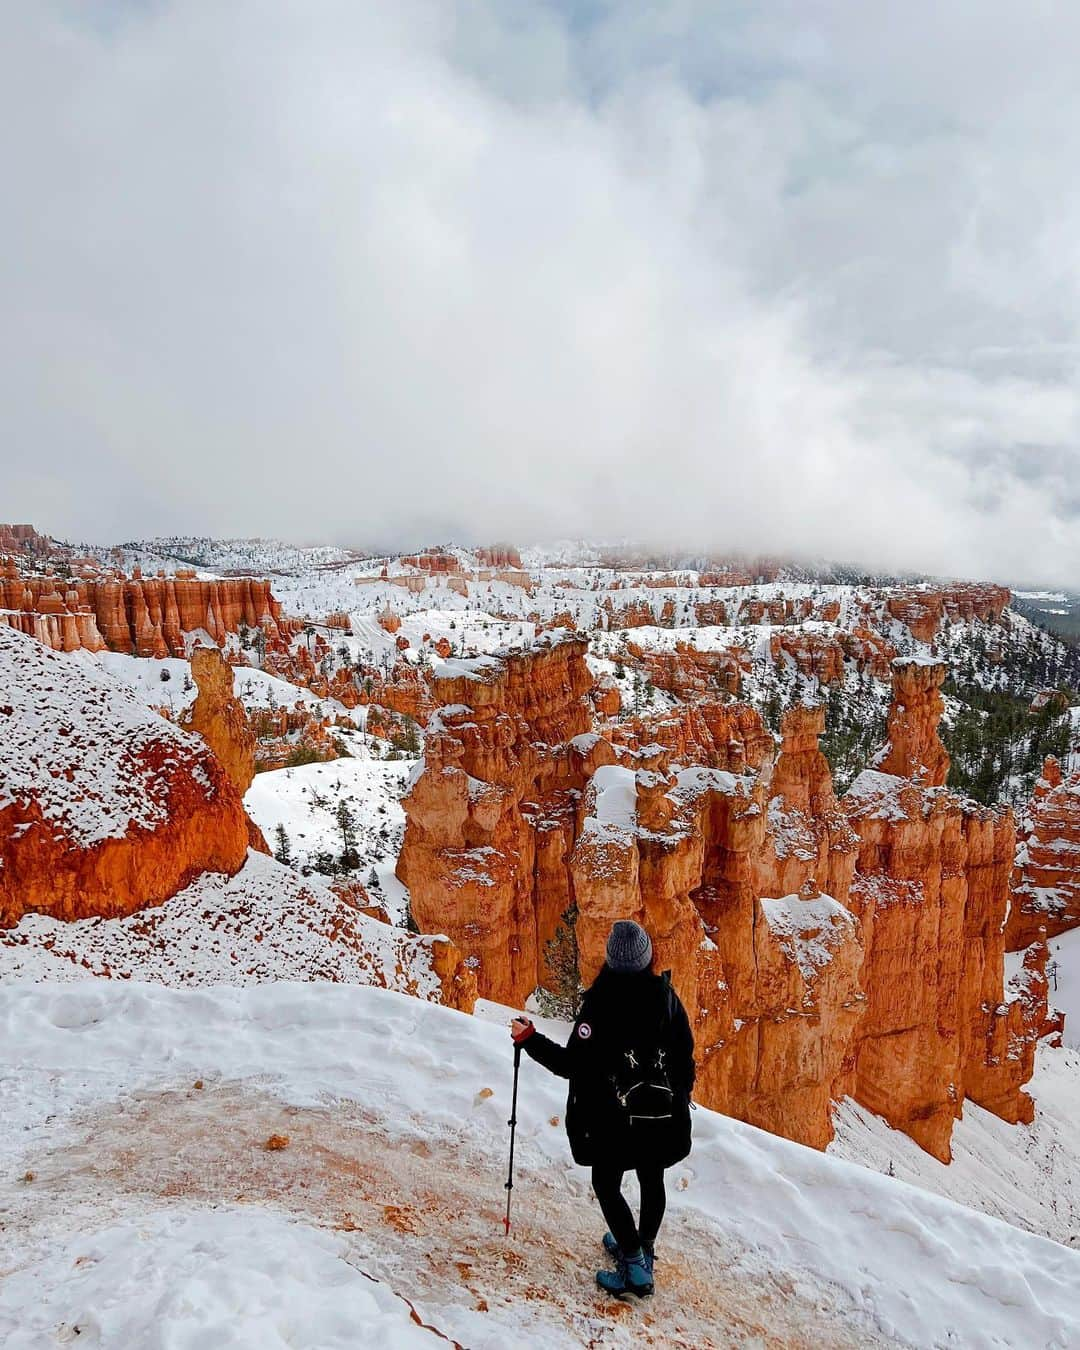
column 512, row 1122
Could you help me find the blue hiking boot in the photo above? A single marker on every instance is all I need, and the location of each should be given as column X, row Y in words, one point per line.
column 633, row 1275
column 612, row 1249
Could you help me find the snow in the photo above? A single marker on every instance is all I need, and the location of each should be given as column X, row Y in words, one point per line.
column 611, row 804
column 482, row 668
column 305, row 802
column 916, row 659
column 616, row 795
column 233, row 556
column 255, row 689
column 1026, row 1175
column 82, row 747
column 266, row 923
column 877, row 795
column 811, row 930
column 1063, row 974
column 396, row 1111
column 245, row 1279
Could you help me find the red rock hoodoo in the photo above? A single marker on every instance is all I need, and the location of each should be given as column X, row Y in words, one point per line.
column 914, row 749
column 1046, row 877
column 218, row 716
column 931, row 893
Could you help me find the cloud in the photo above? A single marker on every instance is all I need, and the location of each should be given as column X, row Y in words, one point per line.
column 789, row 277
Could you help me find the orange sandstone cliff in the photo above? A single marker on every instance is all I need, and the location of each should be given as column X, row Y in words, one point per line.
column 931, row 892
column 104, row 806
column 140, row 616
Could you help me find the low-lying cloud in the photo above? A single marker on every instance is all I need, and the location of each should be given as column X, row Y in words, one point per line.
column 791, row 276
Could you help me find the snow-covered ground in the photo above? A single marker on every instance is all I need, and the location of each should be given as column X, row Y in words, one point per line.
column 244, row 1278
column 1027, row 1175
column 142, row 1208
column 307, row 802
column 167, row 683
column 266, row 923
column 1063, row 974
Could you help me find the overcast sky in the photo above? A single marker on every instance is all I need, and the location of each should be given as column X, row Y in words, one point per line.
column 786, row 275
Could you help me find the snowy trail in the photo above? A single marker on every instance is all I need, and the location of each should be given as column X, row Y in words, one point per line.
column 425, row 1218
column 395, row 1110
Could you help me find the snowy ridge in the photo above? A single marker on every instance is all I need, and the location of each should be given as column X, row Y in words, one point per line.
column 83, row 747
column 262, row 925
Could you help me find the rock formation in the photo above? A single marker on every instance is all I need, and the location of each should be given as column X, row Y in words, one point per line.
column 499, row 764
column 141, row 616
column 25, row 541
column 923, row 609
column 688, row 672
column 1046, row 875
column 914, row 749
column 104, row 806
column 499, row 555
column 823, row 947
column 518, row 816
column 931, row 893
column 708, row 732
column 218, row 716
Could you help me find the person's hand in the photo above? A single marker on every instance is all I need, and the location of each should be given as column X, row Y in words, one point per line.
column 521, row 1029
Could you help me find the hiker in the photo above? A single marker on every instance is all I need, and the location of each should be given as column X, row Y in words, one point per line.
column 630, row 1062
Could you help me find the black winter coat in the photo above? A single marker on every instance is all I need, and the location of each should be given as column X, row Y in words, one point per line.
column 620, row 1011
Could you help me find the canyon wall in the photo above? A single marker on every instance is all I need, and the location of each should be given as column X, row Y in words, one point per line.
column 931, row 892
column 140, row 616
column 822, row 947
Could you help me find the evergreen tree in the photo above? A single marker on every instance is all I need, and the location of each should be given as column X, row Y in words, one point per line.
column 346, row 823
column 562, row 994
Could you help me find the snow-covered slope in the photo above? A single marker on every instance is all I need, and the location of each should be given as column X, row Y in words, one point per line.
column 136, row 1116
column 307, row 804
column 1028, row 1175
column 266, row 923
column 83, row 750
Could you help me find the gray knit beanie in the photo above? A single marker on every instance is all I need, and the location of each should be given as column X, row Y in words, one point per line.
column 629, row 947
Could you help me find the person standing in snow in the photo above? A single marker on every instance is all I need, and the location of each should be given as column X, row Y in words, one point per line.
column 630, row 1062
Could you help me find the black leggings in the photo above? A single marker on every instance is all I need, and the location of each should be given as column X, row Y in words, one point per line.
column 607, row 1183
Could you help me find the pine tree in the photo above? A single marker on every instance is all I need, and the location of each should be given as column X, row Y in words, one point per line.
column 282, row 849
column 346, row 822
column 562, row 994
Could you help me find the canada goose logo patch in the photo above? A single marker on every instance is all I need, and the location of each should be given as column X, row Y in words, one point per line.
column 584, row 1031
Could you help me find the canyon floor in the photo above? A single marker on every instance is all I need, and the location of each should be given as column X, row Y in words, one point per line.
column 140, row 1205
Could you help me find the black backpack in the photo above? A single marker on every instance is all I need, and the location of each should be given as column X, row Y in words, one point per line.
column 641, row 1081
